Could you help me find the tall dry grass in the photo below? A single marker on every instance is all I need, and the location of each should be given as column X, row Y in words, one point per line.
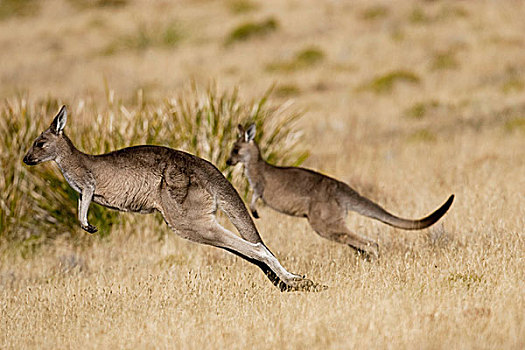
column 37, row 204
column 459, row 284
column 407, row 101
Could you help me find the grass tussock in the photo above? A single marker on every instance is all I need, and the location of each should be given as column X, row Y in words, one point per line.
column 425, row 15
column 203, row 123
column 515, row 124
column 375, row 13
column 242, row 6
column 386, row 83
column 419, row 16
column 422, row 135
column 421, row 110
column 444, row 60
column 85, row 4
column 145, row 37
column 250, row 30
column 305, row 58
column 287, row 90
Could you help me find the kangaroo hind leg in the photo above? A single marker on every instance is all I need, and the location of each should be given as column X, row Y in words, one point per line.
column 194, row 219
column 328, row 220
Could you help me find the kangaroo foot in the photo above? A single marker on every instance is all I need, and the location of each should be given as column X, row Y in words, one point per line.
column 370, row 253
column 89, row 228
column 302, row 284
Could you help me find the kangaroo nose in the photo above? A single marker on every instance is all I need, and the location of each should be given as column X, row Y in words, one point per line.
column 28, row 161
column 229, row 161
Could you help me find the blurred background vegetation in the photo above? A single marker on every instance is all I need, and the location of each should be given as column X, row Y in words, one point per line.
column 37, row 203
column 376, row 79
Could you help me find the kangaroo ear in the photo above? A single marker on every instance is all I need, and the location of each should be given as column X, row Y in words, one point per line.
column 60, row 120
column 240, row 130
column 249, row 135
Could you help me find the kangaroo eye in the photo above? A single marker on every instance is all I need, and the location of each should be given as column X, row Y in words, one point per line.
column 235, row 151
column 39, row 144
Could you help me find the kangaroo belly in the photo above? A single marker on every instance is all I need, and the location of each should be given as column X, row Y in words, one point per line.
column 291, row 205
column 128, row 194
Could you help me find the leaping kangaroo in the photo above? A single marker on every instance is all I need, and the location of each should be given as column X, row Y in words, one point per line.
column 324, row 201
column 185, row 189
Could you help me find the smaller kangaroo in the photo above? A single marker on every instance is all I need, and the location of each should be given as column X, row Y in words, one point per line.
column 324, row 201
column 185, row 189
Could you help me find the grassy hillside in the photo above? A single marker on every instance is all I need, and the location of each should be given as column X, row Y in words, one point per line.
column 407, row 102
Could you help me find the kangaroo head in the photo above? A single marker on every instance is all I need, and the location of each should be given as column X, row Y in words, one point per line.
column 245, row 148
column 46, row 145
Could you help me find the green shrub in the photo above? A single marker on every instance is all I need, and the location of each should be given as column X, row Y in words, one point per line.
column 251, row 30
column 171, row 35
column 385, row 83
column 448, row 11
column 375, row 12
column 309, row 56
column 418, row 16
column 242, row 6
column 421, row 109
column 444, row 60
column 304, row 58
column 37, row 204
column 212, row 118
column 143, row 38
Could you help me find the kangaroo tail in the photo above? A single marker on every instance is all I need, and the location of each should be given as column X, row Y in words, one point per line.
column 366, row 207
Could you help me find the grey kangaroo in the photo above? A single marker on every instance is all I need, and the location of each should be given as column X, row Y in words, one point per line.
column 185, row 189
column 324, row 201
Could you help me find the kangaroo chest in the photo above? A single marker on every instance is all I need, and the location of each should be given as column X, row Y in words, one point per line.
column 255, row 178
column 71, row 179
column 284, row 194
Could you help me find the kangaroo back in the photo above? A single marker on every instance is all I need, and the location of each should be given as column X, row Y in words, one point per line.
column 366, row 207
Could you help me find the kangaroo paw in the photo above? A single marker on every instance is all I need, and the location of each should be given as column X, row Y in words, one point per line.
column 370, row 254
column 255, row 214
column 89, row 228
column 302, row 284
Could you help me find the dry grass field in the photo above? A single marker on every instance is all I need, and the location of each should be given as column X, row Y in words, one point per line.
column 406, row 101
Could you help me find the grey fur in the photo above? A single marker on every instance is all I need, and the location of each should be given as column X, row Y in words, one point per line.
column 324, row 201
column 185, row 189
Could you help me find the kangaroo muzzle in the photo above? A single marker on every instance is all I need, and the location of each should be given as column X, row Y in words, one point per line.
column 28, row 161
